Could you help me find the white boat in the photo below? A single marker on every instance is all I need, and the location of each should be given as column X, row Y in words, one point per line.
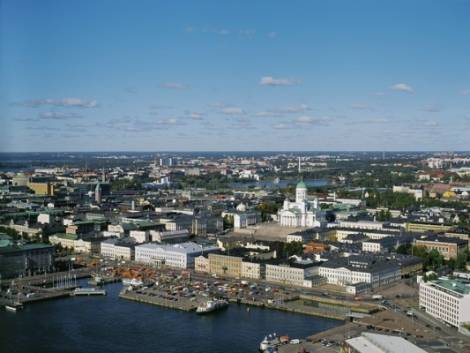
column 269, row 343
column 14, row 307
column 211, row 305
column 132, row 282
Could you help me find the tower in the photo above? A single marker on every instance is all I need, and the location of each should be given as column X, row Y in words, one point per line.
column 301, row 192
column 98, row 193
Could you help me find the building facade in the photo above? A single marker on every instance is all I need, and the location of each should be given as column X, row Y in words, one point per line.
column 446, row 299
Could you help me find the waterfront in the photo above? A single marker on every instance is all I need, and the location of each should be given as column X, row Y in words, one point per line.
column 110, row 324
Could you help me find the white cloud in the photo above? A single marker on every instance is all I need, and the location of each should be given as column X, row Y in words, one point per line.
column 465, row 92
column 281, row 126
column 232, row 111
column 294, row 109
column 58, row 115
column 402, row 87
column 432, row 108
column 174, row 85
column 64, row 102
column 247, row 32
column 309, row 120
column 431, row 123
column 360, row 106
column 271, row 81
column 196, row 115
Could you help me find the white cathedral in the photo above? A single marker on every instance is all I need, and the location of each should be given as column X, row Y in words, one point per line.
column 302, row 212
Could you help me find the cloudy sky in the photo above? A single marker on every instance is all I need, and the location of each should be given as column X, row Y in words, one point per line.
column 96, row 75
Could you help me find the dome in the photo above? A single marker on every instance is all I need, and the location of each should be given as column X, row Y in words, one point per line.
column 301, row 185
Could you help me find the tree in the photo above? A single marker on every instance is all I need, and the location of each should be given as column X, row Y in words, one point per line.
column 228, row 222
column 267, row 209
column 293, row 248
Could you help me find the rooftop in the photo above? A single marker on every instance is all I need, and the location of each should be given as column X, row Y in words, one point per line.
column 459, row 285
column 376, row 343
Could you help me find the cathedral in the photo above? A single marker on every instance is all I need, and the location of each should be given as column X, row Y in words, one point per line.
column 302, row 212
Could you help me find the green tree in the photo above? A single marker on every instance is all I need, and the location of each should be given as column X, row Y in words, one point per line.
column 293, row 248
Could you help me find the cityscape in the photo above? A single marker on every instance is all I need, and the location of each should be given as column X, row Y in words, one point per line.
column 266, row 176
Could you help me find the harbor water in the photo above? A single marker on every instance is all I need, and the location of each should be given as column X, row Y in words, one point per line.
column 110, row 324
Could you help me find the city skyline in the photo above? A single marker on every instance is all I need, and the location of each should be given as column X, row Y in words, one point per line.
column 267, row 76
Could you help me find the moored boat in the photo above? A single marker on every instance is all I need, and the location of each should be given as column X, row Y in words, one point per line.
column 211, row 305
column 14, row 307
column 132, row 282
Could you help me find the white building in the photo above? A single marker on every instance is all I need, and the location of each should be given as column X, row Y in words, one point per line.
column 417, row 193
column 177, row 255
column 161, row 236
column 285, row 274
column 446, row 299
column 115, row 249
column 377, row 343
column 301, row 213
column 355, row 269
column 251, row 270
column 140, row 236
column 244, row 219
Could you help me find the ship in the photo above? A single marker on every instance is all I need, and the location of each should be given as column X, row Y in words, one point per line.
column 210, row 306
column 134, row 282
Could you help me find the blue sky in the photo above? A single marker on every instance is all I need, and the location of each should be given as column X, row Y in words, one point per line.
column 234, row 75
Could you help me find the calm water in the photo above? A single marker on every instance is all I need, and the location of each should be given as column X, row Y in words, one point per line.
column 110, row 324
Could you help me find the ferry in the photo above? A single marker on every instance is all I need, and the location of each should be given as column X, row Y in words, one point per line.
column 132, row 282
column 210, row 306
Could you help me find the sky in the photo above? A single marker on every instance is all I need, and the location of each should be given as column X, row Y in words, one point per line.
column 112, row 75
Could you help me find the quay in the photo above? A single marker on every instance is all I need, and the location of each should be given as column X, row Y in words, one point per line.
column 88, row 291
column 159, row 298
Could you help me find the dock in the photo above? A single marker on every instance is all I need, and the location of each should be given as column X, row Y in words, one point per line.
column 88, row 291
column 160, row 298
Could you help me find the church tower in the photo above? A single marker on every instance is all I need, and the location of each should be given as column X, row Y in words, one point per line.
column 300, row 192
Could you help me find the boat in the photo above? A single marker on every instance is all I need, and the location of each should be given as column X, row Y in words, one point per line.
column 211, row 305
column 14, row 307
column 269, row 343
column 132, row 282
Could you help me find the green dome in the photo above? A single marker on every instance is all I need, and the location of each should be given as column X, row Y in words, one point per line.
column 301, row 185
